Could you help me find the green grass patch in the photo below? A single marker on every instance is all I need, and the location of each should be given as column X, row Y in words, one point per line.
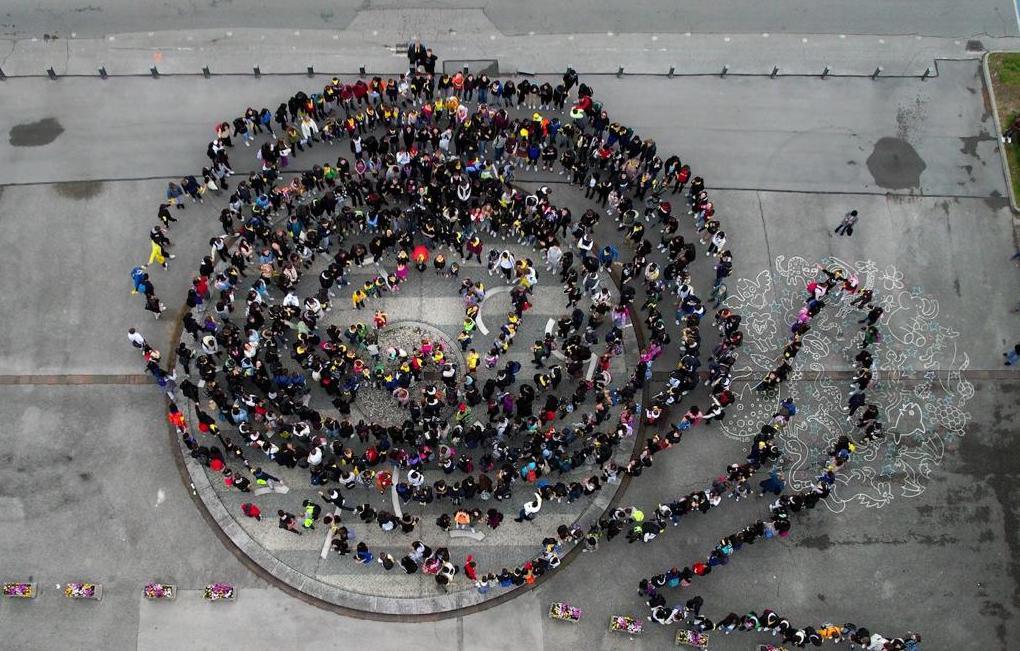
column 1004, row 69
column 1007, row 64
column 1013, row 157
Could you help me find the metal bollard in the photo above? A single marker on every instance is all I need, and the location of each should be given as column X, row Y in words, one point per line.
column 361, row 71
column 205, row 72
column 311, row 71
column 927, row 73
column 725, row 69
column 877, row 72
column 102, row 72
column 669, row 74
column 619, row 72
column 155, row 73
column 257, row 71
column 775, row 71
column 52, row 73
column 3, row 77
column 464, row 71
column 825, row 73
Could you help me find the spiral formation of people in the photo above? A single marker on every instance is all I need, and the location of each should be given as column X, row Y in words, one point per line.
column 343, row 423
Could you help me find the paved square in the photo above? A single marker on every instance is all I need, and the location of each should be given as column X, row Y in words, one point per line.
column 919, row 535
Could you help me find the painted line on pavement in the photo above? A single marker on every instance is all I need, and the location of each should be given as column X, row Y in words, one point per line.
column 393, row 493
column 489, row 292
column 329, row 534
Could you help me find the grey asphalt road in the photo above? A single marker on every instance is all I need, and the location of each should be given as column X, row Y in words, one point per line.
column 932, row 18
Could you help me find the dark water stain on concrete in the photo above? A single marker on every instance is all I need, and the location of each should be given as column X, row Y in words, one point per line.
column 78, row 190
column 35, row 134
column 996, row 201
column 970, row 143
column 956, row 286
column 822, row 542
column 981, row 514
column 994, row 464
column 895, row 164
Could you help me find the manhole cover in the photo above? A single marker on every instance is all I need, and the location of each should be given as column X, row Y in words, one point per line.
column 975, row 46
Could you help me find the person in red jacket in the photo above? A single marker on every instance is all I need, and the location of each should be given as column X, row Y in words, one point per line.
column 361, row 92
column 471, row 568
column 252, row 511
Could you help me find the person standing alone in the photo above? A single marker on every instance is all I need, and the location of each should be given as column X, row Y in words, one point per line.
column 846, row 227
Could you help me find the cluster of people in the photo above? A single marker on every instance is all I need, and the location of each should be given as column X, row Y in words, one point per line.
column 440, row 176
column 675, row 278
column 839, row 285
column 429, row 182
column 779, row 523
column 768, row 621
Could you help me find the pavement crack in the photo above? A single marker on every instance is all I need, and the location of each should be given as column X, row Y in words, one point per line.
column 768, row 247
column 14, row 45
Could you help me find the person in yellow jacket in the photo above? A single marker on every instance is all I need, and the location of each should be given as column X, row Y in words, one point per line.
column 358, row 298
column 472, row 359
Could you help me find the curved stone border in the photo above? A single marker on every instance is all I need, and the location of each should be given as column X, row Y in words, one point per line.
column 328, row 597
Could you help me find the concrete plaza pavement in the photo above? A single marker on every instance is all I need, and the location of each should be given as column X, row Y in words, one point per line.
column 827, row 140
column 98, row 496
column 646, row 37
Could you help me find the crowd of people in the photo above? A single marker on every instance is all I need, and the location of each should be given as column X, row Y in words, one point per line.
column 411, row 197
column 431, row 166
column 834, row 285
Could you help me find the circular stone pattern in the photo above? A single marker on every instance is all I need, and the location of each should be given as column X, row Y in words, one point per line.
column 377, row 405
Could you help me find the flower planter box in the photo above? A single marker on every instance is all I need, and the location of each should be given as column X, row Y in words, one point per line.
column 159, row 591
column 685, row 637
column 625, row 624
column 565, row 612
column 83, row 590
column 219, row 592
column 19, row 590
